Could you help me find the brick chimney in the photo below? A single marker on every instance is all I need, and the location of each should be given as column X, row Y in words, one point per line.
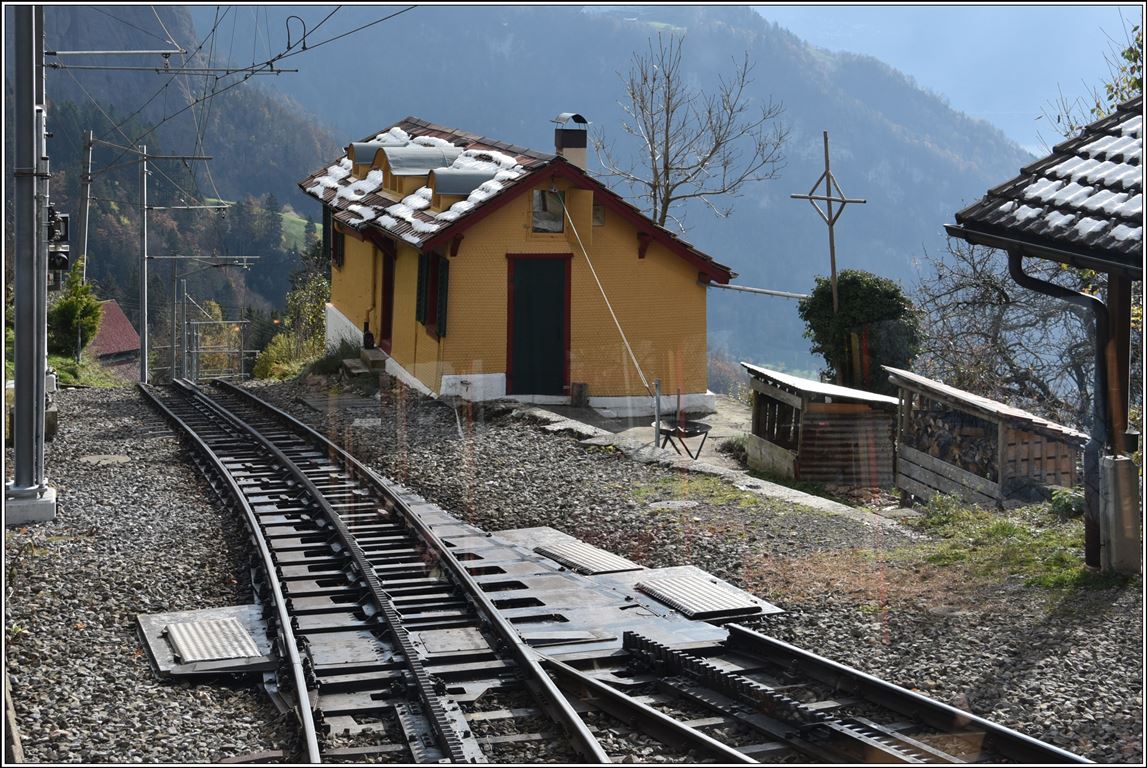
column 570, row 143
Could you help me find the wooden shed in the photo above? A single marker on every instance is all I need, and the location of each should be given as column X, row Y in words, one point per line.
column 810, row 430
column 954, row 442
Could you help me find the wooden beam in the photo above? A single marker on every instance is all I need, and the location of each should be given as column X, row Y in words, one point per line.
column 957, row 477
column 788, row 398
column 1117, row 358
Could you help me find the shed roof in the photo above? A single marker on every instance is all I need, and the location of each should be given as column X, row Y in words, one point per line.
column 812, row 387
column 991, row 409
column 364, row 205
column 1080, row 205
column 116, row 334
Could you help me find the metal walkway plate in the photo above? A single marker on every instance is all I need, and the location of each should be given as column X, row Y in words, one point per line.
column 210, row 640
column 586, row 558
column 700, row 598
column 165, row 651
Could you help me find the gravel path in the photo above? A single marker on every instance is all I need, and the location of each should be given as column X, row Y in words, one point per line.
column 142, row 536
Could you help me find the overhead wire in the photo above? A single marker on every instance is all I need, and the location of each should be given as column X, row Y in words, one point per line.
column 608, row 303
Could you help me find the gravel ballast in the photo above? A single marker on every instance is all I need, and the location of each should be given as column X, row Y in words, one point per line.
column 145, row 536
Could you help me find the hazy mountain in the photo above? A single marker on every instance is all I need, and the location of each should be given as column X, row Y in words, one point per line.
column 506, row 71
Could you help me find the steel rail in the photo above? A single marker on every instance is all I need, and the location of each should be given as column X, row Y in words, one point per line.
column 448, row 739
column 284, row 627
column 1000, row 739
column 540, row 683
column 626, row 709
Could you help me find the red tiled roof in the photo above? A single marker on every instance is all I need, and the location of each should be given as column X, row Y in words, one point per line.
column 363, row 205
column 116, row 334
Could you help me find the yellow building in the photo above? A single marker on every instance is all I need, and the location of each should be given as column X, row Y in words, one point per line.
column 487, row 270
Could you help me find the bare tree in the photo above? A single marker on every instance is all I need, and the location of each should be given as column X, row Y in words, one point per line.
column 693, row 145
column 987, row 335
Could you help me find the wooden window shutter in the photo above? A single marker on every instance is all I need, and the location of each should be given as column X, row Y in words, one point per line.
column 443, row 289
column 328, row 226
column 423, row 287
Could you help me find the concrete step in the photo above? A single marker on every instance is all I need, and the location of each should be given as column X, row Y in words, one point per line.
column 374, row 359
column 354, row 367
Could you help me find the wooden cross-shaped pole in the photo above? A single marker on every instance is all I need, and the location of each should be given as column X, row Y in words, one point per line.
column 830, row 218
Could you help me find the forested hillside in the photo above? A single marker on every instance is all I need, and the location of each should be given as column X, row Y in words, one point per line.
column 506, row 71
column 501, row 71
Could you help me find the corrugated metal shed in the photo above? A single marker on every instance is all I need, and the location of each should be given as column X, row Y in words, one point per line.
column 812, row 387
column 822, row 432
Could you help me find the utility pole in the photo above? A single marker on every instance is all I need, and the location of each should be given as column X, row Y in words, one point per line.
column 830, row 218
column 143, row 358
column 85, row 207
column 143, row 158
column 28, row 497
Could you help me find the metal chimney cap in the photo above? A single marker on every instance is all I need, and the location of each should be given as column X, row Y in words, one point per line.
column 565, row 117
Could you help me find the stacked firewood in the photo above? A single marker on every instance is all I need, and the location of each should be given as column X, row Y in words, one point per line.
column 956, row 438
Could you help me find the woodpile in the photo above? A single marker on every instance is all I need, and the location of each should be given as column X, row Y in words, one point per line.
column 957, row 438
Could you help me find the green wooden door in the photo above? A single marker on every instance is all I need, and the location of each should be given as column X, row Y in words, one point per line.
column 539, row 326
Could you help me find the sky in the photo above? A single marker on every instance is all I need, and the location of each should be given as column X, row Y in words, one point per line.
column 1006, row 64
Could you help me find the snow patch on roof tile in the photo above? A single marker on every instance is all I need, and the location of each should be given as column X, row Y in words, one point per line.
column 1132, row 127
column 1042, row 189
column 1105, row 200
column 1088, row 226
column 431, row 141
column 1025, row 212
column 1133, row 208
column 365, row 213
column 1057, row 220
column 360, row 188
column 419, row 200
column 1124, row 232
column 395, row 137
column 1073, row 194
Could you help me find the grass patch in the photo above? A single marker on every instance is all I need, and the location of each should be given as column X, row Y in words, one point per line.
column 705, row 489
column 1035, row 544
column 331, row 363
column 85, row 373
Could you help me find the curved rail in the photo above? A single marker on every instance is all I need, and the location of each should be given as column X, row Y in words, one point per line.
column 540, row 684
column 286, row 635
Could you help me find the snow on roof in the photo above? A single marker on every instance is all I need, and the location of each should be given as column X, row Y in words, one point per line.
column 1086, row 197
column 813, row 387
column 489, row 168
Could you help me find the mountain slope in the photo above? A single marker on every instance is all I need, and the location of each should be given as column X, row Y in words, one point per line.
column 506, row 71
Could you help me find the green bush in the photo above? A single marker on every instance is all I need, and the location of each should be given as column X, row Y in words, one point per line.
column 279, row 359
column 873, row 309
column 1067, row 502
column 74, row 317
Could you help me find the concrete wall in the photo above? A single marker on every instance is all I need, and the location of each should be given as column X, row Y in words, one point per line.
column 764, row 456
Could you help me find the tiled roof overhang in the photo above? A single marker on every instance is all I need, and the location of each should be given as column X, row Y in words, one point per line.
column 1081, row 205
column 430, row 233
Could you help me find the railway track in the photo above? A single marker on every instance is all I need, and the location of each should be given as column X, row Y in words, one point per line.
column 402, row 634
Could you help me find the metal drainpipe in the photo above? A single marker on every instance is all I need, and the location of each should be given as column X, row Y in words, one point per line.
column 1095, row 446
